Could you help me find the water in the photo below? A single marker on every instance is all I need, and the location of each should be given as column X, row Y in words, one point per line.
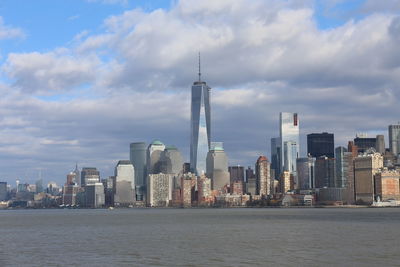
column 200, row 237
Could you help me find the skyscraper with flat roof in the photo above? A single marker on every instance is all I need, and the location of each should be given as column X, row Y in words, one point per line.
column 200, row 125
column 138, row 158
column 290, row 141
column 321, row 144
column 394, row 139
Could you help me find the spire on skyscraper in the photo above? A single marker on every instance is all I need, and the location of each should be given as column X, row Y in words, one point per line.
column 199, row 68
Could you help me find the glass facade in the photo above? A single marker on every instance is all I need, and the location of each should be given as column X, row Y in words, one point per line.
column 394, row 139
column 200, row 127
column 289, row 141
column 139, row 161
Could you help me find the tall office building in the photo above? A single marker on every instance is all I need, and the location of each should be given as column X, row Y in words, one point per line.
column 305, row 173
column 3, row 191
column 124, row 187
column 364, row 143
column 290, row 141
column 171, row 161
column 325, row 172
column 263, row 179
column 321, row 144
column 344, row 162
column 95, row 197
column 394, row 139
column 365, row 167
column 159, row 189
column 154, row 151
column 380, row 144
column 275, row 156
column 236, row 173
column 217, row 166
column 200, row 123
column 89, row 175
column 138, row 158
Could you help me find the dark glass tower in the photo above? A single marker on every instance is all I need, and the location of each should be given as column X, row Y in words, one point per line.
column 200, row 123
column 321, row 144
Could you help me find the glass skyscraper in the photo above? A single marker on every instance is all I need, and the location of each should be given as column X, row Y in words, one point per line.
column 200, row 123
column 394, row 139
column 290, row 144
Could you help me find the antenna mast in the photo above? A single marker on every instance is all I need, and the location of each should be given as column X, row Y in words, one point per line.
column 199, row 68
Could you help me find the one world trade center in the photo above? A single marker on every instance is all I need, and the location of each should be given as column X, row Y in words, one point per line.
column 200, row 123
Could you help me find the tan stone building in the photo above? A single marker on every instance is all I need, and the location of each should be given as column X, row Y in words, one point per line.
column 365, row 167
column 387, row 185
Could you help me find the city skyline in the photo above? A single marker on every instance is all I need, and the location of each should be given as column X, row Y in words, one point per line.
column 86, row 95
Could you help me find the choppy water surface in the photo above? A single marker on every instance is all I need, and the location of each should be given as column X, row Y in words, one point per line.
column 200, row 237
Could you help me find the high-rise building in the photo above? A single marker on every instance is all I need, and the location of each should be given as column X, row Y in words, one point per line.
column 286, row 182
column 380, row 144
column 124, row 188
column 365, row 167
column 249, row 173
column 89, row 175
column 188, row 183
column 3, row 191
column 344, row 160
column 236, row 173
column 275, row 156
column 263, row 179
column 321, row 144
column 94, row 193
column 70, row 189
column 200, row 125
column 290, row 141
column 159, row 190
column 154, row 151
column 204, row 190
column 217, row 166
column 171, row 161
column 364, row 143
column 305, row 173
column 325, row 172
column 394, row 139
column 138, row 158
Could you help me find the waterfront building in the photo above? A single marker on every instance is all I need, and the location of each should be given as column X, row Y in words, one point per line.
column 394, row 139
column 289, row 140
column 159, row 189
column 263, row 176
column 275, row 156
column 70, row 192
column 365, row 167
column 344, row 161
column 94, row 194
column 387, row 185
column 171, row 161
column 39, row 186
column 364, row 143
column 154, row 151
column 204, row 190
column 124, row 188
column 188, row 187
column 320, row 144
column 251, row 186
column 138, row 158
column 217, row 166
column 237, row 188
column 89, row 175
column 325, row 172
column 286, row 182
column 3, row 191
column 249, row 173
column 200, row 125
column 305, row 173
column 236, row 173
column 380, row 144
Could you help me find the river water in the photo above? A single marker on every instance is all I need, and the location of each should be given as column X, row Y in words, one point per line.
column 201, row 237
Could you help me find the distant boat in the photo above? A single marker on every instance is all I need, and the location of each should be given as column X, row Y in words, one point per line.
column 110, row 208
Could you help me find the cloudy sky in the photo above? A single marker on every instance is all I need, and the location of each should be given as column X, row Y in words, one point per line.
column 80, row 80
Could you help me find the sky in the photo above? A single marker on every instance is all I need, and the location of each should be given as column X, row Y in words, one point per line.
column 81, row 79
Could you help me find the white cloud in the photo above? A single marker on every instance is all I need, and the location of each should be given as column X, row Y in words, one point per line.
column 9, row 32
